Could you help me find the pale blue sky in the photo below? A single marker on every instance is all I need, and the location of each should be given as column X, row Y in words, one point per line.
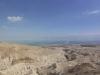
column 49, row 19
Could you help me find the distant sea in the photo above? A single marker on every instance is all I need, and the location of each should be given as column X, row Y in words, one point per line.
column 57, row 42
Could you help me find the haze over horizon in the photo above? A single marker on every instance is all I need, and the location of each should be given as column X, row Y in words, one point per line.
column 49, row 19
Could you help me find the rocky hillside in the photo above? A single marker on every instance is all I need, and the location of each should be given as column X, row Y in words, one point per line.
column 52, row 60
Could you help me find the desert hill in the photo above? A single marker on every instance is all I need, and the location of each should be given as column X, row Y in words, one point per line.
column 17, row 59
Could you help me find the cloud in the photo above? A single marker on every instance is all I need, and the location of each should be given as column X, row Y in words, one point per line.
column 15, row 18
column 93, row 12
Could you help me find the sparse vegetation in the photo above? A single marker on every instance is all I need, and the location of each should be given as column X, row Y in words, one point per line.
column 24, row 60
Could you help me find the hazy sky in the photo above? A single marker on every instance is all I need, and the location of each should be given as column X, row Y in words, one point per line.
column 49, row 19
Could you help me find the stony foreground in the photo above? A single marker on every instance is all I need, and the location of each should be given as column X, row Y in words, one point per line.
column 52, row 60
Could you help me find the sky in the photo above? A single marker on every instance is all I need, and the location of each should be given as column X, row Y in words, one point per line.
column 49, row 19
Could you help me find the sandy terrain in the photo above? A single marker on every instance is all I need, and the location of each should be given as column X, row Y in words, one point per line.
column 52, row 60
